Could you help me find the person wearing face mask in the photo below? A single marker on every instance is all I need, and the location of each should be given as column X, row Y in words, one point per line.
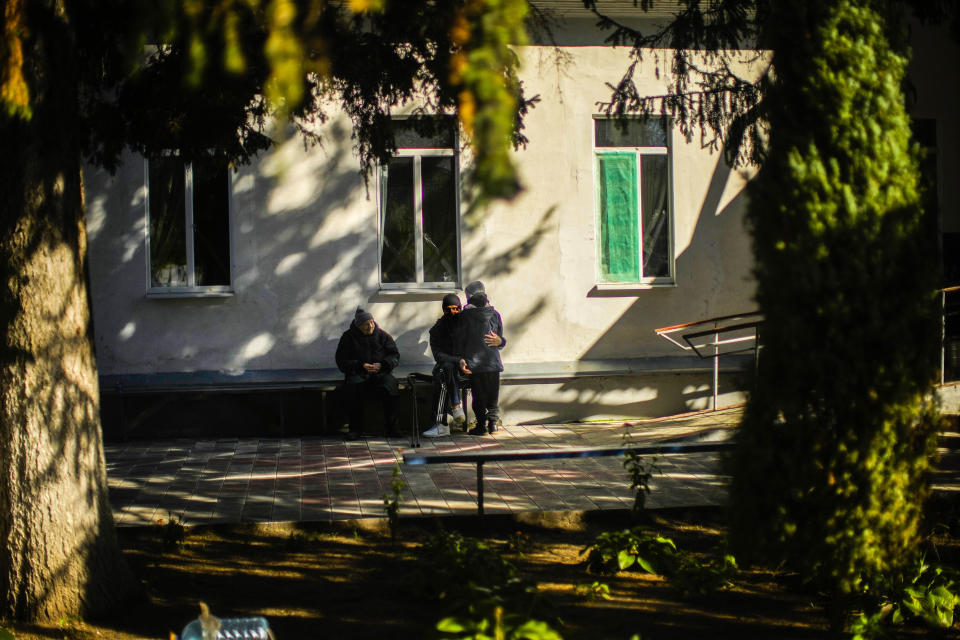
column 366, row 354
column 446, row 388
column 479, row 339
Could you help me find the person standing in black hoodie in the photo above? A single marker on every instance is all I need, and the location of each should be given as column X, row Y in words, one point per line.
column 479, row 341
column 366, row 355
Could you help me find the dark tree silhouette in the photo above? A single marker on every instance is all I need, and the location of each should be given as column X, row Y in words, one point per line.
column 829, row 472
column 89, row 78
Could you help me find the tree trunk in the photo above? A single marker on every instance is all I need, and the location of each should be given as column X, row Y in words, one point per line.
column 58, row 549
column 831, row 467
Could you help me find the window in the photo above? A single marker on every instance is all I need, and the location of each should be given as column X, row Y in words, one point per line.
column 634, row 203
column 419, row 208
column 188, row 226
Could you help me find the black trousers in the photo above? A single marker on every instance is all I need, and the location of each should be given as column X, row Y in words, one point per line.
column 486, row 397
column 357, row 393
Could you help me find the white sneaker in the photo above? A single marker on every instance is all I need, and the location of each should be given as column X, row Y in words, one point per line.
column 458, row 416
column 438, row 430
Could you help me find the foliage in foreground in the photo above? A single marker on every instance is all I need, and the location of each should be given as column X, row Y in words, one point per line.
column 615, row 551
column 482, row 591
column 208, row 80
column 392, row 500
column 172, row 533
column 464, row 574
column 227, row 68
column 831, row 459
column 640, row 471
column 499, row 626
column 929, row 594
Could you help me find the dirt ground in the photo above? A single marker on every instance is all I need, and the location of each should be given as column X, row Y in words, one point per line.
column 313, row 581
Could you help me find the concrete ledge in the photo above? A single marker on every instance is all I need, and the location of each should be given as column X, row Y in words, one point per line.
column 328, row 378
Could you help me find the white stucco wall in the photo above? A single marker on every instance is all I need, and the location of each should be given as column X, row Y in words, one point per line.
column 304, row 251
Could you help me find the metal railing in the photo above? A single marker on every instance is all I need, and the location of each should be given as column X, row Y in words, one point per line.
column 521, row 455
column 715, row 337
column 739, row 333
column 949, row 334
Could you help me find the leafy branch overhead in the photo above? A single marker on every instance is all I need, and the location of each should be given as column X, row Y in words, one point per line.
column 713, row 84
column 714, row 59
column 203, row 76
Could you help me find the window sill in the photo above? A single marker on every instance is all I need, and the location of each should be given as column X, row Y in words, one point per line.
column 415, row 293
column 627, row 288
column 219, row 292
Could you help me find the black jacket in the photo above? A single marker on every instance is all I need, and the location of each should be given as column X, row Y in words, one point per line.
column 473, row 324
column 442, row 340
column 355, row 349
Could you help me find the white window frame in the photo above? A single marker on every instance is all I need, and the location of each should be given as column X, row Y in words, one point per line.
column 645, row 282
column 190, row 290
column 417, row 154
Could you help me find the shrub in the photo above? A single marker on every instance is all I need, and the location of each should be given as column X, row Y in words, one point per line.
column 498, row 626
column 465, row 574
column 615, row 551
column 830, row 463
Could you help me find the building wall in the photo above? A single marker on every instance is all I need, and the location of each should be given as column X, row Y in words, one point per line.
column 304, row 251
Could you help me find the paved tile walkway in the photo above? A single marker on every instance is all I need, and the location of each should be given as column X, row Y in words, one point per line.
column 322, row 479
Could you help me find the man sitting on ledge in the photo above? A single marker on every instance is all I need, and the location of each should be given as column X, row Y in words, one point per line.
column 446, row 388
column 366, row 355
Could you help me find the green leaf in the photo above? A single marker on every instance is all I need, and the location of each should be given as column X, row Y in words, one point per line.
column 945, row 618
column 646, row 565
column 451, row 625
column 913, row 606
column 6, row 635
column 897, row 616
column 943, row 597
column 667, row 541
column 535, row 630
column 625, row 559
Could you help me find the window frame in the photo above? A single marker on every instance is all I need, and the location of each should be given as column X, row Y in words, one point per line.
column 191, row 289
column 666, row 151
column 417, row 153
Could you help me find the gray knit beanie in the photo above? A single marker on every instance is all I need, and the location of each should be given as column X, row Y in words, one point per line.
column 361, row 316
column 474, row 288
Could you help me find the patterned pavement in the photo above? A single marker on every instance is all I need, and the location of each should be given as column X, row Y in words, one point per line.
column 236, row 480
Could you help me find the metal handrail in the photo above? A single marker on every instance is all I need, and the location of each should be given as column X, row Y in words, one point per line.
column 943, row 329
column 718, row 328
column 520, row 455
column 665, row 332
column 689, row 340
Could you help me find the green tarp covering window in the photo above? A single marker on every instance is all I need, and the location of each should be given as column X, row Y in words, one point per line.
column 619, row 235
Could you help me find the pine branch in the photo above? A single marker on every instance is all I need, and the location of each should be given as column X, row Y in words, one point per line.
column 704, row 92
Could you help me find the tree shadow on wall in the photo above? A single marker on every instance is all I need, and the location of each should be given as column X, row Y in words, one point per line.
column 716, row 265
